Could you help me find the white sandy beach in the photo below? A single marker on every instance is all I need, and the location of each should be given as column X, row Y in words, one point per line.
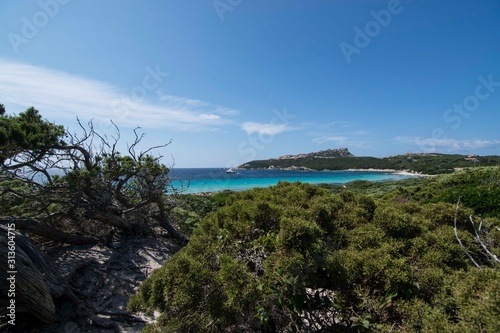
column 393, row 171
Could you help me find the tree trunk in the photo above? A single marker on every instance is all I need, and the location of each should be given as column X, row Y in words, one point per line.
column 165, row 223
column 46, row 230
column 110, row 219
column 32, row 292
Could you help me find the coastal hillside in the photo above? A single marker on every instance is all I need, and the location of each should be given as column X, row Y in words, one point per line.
column 329, row 153
column 342, row 159
column 418, row 256
column 299, row 258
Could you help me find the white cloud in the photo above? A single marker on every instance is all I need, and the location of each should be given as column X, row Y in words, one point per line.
column 359, row 133
column 448, row 145
column 264, row 129
column 336, row 124
column 339, row 132
column 59, row 95
column 209, row 116
column 337, row 139
column 342, row 141
column 182, row 101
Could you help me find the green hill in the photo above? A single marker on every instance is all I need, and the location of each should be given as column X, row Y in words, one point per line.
column 342, row 159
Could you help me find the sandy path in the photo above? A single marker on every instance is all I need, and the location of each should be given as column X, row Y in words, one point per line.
column 104, row 278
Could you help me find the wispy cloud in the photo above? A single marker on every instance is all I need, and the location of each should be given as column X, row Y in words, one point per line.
column 339, row 134
column 61, row 95
column 334, row 124
column 342, row 141
column 195, row 104
column 265, row 128
column 336, row 139
column 448, row 145
column 209, row 116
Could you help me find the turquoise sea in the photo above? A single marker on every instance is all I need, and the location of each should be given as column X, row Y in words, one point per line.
column 216, row 179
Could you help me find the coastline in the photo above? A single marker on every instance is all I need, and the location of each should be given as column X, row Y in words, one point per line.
column 393, row 171
column 265, row 177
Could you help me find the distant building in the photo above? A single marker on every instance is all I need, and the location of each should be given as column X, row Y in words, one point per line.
column 473, row 158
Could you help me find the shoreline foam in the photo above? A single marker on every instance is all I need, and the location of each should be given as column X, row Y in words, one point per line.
column 393, row 171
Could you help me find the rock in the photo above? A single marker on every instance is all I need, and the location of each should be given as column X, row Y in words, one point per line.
column 329, row 153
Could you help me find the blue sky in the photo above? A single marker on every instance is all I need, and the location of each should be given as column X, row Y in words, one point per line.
column 230, row 81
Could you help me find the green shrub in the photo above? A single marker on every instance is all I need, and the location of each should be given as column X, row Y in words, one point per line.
column 300, row 235
column 289, row 257
column 396, row 222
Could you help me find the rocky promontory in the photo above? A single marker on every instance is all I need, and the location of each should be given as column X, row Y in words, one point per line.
column 329, row 153
column 299, row 161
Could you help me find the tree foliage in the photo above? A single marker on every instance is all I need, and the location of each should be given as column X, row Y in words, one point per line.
column 71, row 188
column 26, row 137
column 298, row 258
column 80, row 183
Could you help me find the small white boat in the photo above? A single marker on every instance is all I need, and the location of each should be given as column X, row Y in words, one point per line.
column 231, row 170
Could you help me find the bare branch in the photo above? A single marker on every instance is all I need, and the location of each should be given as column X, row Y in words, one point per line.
column 143, row 153
column 131, row 148
column 98, row 187
column 458, row 238
column 480, row 241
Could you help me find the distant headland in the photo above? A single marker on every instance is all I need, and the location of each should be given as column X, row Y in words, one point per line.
column 329, row 153
column 342, row 159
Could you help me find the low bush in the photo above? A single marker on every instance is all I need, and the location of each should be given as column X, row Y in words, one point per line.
column 298, row 258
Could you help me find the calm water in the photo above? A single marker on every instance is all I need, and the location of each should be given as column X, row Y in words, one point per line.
column 216, row 179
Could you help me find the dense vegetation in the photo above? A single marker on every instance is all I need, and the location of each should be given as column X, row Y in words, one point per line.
column 58, row 184
column 477, row 187
column 190, row 209
column 391, row 256
column 421, row 163
column 68, row 188
column 298, row 257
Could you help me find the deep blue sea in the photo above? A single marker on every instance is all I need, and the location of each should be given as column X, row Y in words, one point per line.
column 216, row 179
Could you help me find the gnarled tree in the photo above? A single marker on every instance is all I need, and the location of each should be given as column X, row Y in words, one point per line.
column 75, row 188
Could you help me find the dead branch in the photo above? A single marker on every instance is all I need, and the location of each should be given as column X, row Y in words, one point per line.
column 458, row 238
column 46, row 230
column 480, row 241
column 97, row 186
